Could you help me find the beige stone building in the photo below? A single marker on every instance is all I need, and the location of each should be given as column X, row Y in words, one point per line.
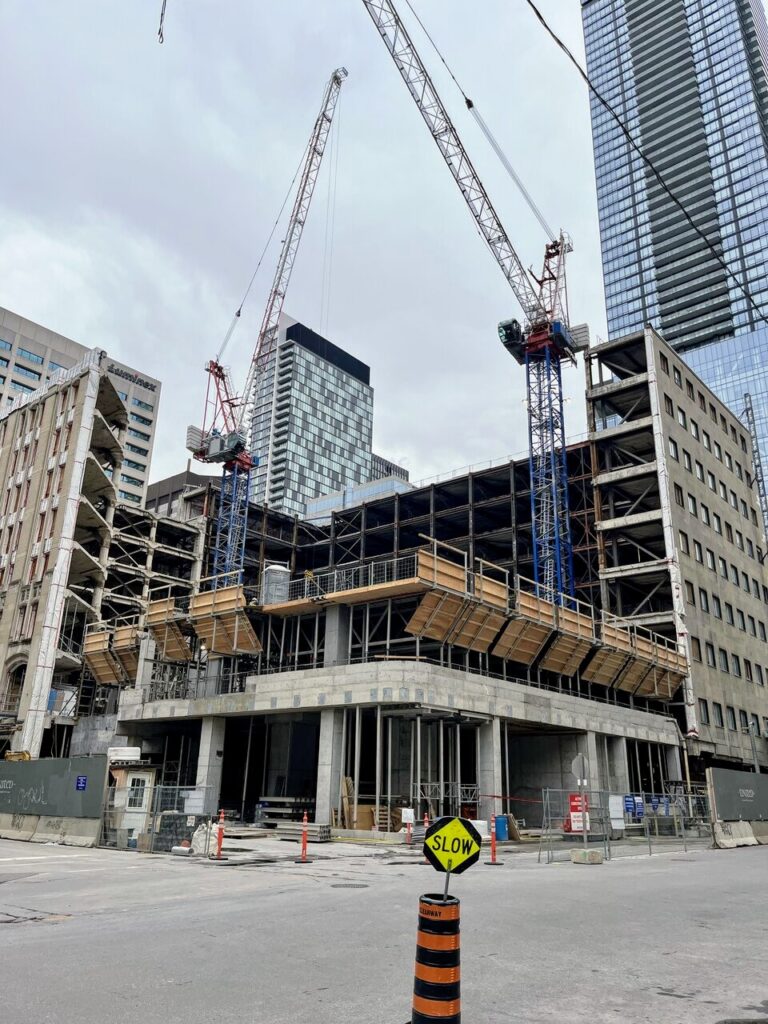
column 61, row 448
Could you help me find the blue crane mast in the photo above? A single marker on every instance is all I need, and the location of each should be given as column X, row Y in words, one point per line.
column 542, row 343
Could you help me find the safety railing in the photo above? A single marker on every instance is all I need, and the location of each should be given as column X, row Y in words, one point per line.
column 314, row 586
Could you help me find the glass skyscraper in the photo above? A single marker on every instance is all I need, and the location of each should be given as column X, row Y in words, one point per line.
column 690, row 80
column 313, row 420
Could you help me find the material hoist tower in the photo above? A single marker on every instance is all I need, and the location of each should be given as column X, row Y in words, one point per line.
column 226, row 436
column 541, row 343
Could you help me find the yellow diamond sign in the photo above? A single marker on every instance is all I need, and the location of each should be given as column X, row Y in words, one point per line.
column 452, row 844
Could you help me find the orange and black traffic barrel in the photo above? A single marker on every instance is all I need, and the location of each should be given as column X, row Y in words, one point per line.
column 437, row 973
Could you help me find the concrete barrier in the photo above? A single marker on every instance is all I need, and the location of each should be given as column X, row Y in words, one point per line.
column 67, row 831
column 18, row 826
column 760, row 832
column 730, row 834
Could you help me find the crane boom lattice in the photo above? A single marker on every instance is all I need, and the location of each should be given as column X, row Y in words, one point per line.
column 541, row 344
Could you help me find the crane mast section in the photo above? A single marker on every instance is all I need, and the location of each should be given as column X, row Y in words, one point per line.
column 267, row 338
column 442, row 130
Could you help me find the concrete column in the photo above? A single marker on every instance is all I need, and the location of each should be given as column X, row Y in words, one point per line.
column 587, row 744
column 674, row 764
column 337, row 622
column 328, row 764
column 618, row 765
column 210, row 760
column 489, row 739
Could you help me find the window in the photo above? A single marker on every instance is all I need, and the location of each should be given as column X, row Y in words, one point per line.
column 21, row 387
column 123, row 395
column 718, row 523
column 750, row 548
column 741, row 621
column 705, row 515
column 717, row 713
column 125, row 479
column 734, row 575
column 704, row 600
column 664, row 363
column 677, row 376
column 755, row 725
column 718, row 452
column 24, row 372
column 695, row 429
column 687, row 460
column 130, row 497
column 731, row 716
column 742, row 443
column 752, row 629
column 723, row 659
column 684, row 543
column 682, row 419
column 138, row 433
column 723, row 567
column 736, row 665
column 6, row 346
column 56, row 366
column 729, row 461
column 689, row 593
column 723, row 491
column 745, row 581
column 739, row 472
column 710, row 559
column 140, row 419
column 712, row 413
column 759, row 675
column 743, row 720
column 755, row 588
column 710, row 653
column 673, row 450
column 692, row 508
column 699, row 471
column 136, row 793
column 724, row 424
column 717, row 608
column 134, row 465
column 734, row 500
column 703, row 711
column 748, row 670
column 744, row 509
column 695, row 648
column 31, row 357
column 689, row 388
column 136, row 450
column 740, row 540
column 707, row 441
column 679, row 496
column 142, row 405
column 733, row 433
column 729, row 613
column 698, row 553
column 729, row 533
column 711, row 481
column 668, row 406
column 702, row 401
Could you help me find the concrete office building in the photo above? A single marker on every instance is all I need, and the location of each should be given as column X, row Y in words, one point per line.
column 313, row 420
column 31, row 354
column 680, row 538
column 689, row 78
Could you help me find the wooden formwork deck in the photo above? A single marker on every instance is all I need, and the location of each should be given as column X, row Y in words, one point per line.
column 125, row 645
column 162, row 623
column 220, row 620
column 565, row 654
column 522, row 641
column 101, row 662
column 453, row 619
column 605, row 665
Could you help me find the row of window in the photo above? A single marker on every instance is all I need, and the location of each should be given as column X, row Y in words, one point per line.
column 706, row 440
column 723, row 610
column 730, row 665
column 746, row 722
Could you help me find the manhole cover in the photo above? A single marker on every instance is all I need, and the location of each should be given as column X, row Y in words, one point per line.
column 349, row 885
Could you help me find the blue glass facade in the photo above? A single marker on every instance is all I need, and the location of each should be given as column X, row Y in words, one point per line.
column 689, row 79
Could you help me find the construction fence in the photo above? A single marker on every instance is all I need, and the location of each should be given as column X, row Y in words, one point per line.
column 624, row 824
column 153, row 819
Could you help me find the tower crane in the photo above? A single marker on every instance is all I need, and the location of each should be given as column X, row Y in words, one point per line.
column 226, row 436
column 541, row 343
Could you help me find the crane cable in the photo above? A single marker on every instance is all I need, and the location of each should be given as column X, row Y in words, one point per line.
column 648, row 162
column 239, row 309
column 493, row 142
column 160, row 35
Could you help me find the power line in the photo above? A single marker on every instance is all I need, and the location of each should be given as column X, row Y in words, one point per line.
column 160, row 35
column 647, row 160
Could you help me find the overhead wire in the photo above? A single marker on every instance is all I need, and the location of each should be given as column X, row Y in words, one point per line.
column 239, row 309
column 160, row 35
column 647, row 161
column 484, row 128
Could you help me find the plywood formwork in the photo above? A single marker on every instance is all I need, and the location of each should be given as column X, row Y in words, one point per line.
column 453, row 619
column 492, row 592
column 522, row 641
column 566, row 653
column 125, row 645
column 163, row 623
column 101, row 662
column 220, row 620
column 605, row 666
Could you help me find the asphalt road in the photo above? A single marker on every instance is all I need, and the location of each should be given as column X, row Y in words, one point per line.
column 102, row 937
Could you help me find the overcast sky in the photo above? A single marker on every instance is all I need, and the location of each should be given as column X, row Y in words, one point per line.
column 139, row 182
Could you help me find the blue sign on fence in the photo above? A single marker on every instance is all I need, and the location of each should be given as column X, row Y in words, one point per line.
column 81, row 782
column 666, row 806
column 639, row 807
column 655, row 803
column 629, row 804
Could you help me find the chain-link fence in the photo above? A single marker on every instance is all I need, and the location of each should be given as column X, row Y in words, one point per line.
column 153, row 819
column 623, row 824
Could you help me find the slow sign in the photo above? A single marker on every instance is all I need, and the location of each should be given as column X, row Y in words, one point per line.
column 452, row 845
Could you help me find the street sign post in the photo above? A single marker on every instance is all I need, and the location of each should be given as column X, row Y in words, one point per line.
column 580, row 771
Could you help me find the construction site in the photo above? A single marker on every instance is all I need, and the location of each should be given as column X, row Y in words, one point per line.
column 448, row 649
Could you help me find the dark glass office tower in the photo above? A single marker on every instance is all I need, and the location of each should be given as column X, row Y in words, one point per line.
column 689, row 78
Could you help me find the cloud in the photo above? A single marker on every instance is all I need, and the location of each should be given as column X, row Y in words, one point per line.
column 139, row 183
